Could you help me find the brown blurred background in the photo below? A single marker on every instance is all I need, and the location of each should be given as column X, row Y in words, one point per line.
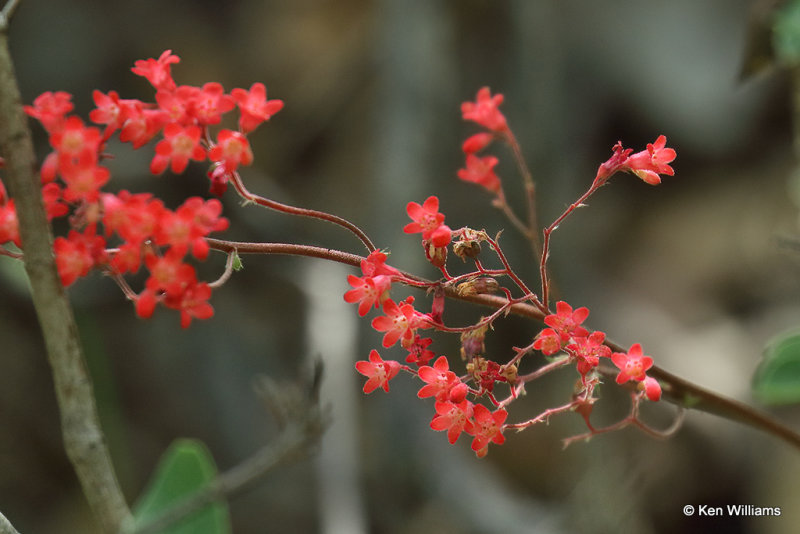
column 693, row 269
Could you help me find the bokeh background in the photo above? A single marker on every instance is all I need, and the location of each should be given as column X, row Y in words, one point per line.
column 698, row 270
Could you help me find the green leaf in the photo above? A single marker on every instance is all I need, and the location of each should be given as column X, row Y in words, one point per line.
column 786, row 33
column 237, row 262
column 186, row 467
column 777, row 379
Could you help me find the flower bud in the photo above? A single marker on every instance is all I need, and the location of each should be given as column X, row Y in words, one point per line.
column 477, row 286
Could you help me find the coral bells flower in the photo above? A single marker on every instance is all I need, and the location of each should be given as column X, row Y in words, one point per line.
column 481, row 171
column 439, row 379
column 648, row 164
column 232, row 149
column 548, row 341
column 180, row 144
column 429, row 221
column 9, row 227
column 211, row 102
column 566, row 322
column 254, row 106
column 484, row 111
column 651, row 388
column 368, row 291
column 399, row 322
column 588, row 351
column 77, row 254
column 157, row 71
column 191, row 302
column 477, row 142
column 418, row 351
column 633, row 365
column 377, row 371
column 50, row 109
column 487, row 428
column 453, row 417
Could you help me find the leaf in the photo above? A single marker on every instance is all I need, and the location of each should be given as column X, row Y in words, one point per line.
column 786, row 33
column 777, row 379
column 185, row 468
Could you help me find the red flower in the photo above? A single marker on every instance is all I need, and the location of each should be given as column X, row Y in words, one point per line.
column 179, row 104
column 375, row 264
column 9, row 227
column 633, row 365
column 487, row 428
column 440, row 380
column 368, row 291
column 192, row 302
column 50, row 109
column 254, row 106
column 110, row 111
column 426, row 217
column 211, row 102
column 567, row 322
column 168, row 273
column 180, row 144
column 141, row 125
column 548, row 341
column 189, row 224
column 613, row 164
column 651, row 388
column 75, row 141
column 157, row 71
column 484, row 111
column 588, row 351
column 453, row 417
column 481, row 171
column 232, row 149
column 477, row 142
column 418, row 352
column 77, row 254
column 377, row 371
column 83, row 178
column 399, row 322
column 648, row 164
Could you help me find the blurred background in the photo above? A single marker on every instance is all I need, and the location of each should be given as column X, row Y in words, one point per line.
column 697, row 270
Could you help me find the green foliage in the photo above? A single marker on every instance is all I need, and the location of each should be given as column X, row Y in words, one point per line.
column 786, row 33
column 777, row 379
column 185, row 468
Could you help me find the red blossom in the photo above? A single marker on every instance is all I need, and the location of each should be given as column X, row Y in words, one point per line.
column 426, row 217
column 439, row 380
column 377, row 371
column 588, row 351
column 648, row 164
column 418, row 352
column 168, row 273
column 453, row 417
column 179, row 104
column 548, row 341
column 157, row 71
column 567, row 322
column 110, row 111
column 83, row 178
column 481, row 171
column 254, row 107
column 651, row 388
column 232, row 149
column 142, row 124
column 632, row 365
column 180, row 144
column 477, row 142
column 75, row 141
column 9, row 226
column 485, row 112
column 192, row 302
column 399, row 322
column 211, row 102
column 77, row 254
column 368, row 291
column 375, row 264
column 50, row 109
column 487, row 428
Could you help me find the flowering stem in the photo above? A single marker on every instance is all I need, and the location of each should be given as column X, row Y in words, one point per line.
column 546, row 239
column 304, row 212
column 532, row 230
column 675, row 389
column 542, row 417
column 83, row 437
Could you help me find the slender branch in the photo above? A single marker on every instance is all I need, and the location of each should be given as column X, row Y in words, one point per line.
column 675, row 389
column 238, row 184
column 6, row 527
column 83, row 438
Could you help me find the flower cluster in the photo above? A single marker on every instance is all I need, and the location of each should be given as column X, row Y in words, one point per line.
column 484, row 112
column 470, row 403
column 146, row 231
column 647, row 164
